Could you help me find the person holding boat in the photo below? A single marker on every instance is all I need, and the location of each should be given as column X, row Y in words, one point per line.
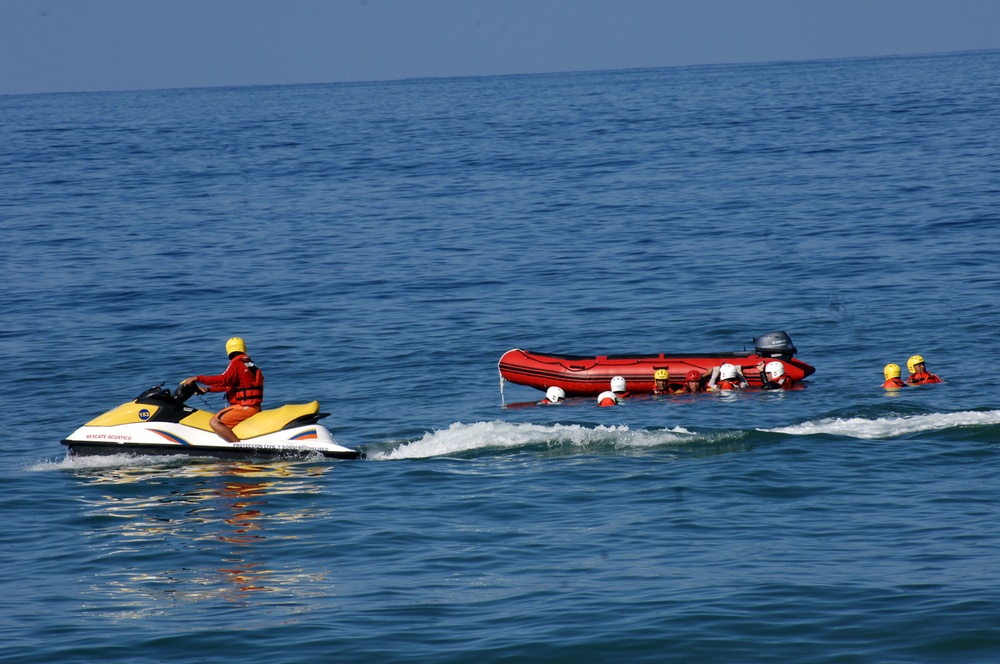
column 918, row 372
column 892, row 379
column 774, row 377
column 243, row 383
column 727, row 377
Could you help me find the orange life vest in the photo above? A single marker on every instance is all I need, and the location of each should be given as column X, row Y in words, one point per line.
column 242, row 381
column 250, row 390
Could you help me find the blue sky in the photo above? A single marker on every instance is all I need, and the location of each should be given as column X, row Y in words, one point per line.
column 77, row 45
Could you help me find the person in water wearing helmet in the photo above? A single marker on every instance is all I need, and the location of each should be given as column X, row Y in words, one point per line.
column 693, row 383
column 618, row 387
column 727, row 377
column 616, row 395
column 892, row 379
column 243, row 383
column 918, row 372
column 607, row 398
column 661, row 381
column 774, row 377
column 553, row 395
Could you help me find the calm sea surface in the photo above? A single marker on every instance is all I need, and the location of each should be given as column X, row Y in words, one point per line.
column 381, row 245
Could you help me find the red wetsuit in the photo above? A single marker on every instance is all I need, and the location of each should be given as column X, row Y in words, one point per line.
column 922, row 377
column 893, row 383
column 242, row 382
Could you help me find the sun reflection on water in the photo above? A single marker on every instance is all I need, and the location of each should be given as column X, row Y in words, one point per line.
column 189, row 535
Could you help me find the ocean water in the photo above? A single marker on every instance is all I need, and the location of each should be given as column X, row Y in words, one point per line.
column 380, row 245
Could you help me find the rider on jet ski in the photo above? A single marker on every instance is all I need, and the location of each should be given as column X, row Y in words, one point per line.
column 243, row 383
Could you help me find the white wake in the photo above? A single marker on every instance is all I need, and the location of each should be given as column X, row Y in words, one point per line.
column 460, row 437
column 892, row 426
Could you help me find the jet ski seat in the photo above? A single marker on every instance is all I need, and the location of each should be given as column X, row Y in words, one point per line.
column 266, row 421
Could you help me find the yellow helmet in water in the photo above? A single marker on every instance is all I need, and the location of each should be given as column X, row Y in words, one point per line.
column 236, row 345
column 891, row 371
column 913, row 362
column 661, row 374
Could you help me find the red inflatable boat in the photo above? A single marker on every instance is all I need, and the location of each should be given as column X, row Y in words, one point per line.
column 590, row 375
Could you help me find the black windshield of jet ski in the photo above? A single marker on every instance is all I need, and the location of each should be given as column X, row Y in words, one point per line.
column 169, row 407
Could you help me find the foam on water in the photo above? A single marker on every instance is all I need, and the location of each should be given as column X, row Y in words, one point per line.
column 889, row 427
column 497, row 435
column 172, row 463
column 102, row 461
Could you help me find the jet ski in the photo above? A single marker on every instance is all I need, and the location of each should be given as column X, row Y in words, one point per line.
column 158, row 422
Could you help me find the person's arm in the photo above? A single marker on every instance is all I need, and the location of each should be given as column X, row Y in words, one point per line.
column 220, row 383
column 764, row 382
column 714, row 379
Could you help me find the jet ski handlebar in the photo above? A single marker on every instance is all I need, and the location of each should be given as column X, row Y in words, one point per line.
column 185, row 391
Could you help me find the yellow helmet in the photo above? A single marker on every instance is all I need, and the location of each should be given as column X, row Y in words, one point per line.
column 891, row 371
column 661, row 374
column 236, row 345
column 913, row 362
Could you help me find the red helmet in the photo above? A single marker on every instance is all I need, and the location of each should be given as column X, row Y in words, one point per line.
column 694, row 374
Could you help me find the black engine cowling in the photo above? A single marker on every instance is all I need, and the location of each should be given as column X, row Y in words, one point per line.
column 775, row 344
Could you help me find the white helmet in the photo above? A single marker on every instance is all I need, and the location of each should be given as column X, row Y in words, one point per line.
column 555, row 394
column 727, row 371
column 775, row 368
column 617, row 384
column 606, row 395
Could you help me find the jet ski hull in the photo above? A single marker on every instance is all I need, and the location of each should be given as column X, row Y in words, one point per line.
column 166, row 438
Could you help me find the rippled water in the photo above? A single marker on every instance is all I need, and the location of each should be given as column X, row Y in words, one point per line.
column 381, row 245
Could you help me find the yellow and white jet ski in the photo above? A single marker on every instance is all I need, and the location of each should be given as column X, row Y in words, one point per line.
column 158, row 422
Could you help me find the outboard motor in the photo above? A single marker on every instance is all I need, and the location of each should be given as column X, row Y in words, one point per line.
column 775, row 344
